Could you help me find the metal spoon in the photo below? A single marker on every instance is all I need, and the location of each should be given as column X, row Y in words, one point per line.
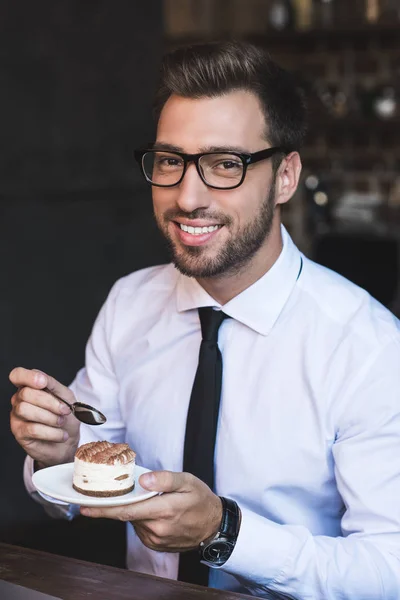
column 83, row 412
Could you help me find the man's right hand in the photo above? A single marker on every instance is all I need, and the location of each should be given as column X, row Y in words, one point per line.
column 41, row 424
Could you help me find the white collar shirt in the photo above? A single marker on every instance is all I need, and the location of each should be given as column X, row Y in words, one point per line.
column 308, row 438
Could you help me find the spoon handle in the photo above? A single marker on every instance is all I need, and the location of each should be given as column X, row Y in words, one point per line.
column 58, row 398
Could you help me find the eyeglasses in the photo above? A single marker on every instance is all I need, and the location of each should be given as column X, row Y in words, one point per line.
column 219, row 170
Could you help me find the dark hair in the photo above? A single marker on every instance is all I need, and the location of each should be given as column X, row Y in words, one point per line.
column 217, row 68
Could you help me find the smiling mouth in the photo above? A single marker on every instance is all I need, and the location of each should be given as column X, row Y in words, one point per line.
column 198, row 230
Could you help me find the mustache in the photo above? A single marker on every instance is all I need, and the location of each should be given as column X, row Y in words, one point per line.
column 198, row 213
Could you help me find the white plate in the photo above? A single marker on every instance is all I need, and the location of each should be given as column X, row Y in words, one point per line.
column 55, row 483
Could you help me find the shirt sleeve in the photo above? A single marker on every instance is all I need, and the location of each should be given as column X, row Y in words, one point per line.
column 364, row 562
column 97, row 385
column 54, row 508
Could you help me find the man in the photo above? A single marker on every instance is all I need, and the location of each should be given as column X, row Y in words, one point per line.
column 307, row 446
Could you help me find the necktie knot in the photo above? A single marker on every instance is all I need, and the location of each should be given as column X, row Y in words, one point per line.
column 210, row 321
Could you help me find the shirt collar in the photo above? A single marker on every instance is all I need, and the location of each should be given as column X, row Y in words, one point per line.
column 259, row 305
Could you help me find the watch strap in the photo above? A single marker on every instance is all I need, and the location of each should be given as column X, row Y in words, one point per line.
column 230, row 519
column 216, row 552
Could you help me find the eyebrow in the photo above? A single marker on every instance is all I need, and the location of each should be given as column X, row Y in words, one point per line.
column 225, row 149
column 172, row 148
column 167, row 147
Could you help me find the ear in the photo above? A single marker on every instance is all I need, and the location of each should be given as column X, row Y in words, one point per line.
column 287, row 177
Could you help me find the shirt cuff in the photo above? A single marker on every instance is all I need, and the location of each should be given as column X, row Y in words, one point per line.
column 262, row 549
column 28, row 472
column 54, row 508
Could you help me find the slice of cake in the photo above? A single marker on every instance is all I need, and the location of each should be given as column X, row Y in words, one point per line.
column 104, row 469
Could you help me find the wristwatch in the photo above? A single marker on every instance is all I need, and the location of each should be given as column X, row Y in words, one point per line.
column 215, row 552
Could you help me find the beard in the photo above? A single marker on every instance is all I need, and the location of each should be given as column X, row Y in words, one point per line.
column 234, row 255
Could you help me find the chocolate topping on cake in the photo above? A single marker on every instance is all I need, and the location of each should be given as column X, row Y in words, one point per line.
column 105, row 453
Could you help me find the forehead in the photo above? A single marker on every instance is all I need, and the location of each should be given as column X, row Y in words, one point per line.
column 233, row 119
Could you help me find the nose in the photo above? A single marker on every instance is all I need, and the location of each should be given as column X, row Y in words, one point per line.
column 192, row 191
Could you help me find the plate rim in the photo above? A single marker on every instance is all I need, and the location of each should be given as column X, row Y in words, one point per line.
column 93, row 501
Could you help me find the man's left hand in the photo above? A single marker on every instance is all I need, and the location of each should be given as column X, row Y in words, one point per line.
column 185, row 514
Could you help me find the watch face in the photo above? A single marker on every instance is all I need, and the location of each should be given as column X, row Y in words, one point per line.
column 217, row 552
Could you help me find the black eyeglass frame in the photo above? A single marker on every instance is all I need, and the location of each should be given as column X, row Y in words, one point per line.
column 246, row 158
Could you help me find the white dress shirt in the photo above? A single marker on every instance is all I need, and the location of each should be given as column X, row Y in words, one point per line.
column 308, row 439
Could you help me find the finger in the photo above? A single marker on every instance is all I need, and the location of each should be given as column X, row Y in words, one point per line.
column 167, row 481
column 29, row 377
column 41, row 399
column 59, row 389
column 119, row 513
column 36, row 379
column 36, row 431
column 152, row 540
column 35, row 414
column 144, row 537
column 150, row 509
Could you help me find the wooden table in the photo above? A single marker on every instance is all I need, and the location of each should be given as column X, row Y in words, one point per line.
column 71, row 579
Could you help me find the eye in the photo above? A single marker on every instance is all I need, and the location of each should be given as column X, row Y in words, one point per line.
column 227, row 167
column 228, row 164
column 224, row 164
column 168, row 162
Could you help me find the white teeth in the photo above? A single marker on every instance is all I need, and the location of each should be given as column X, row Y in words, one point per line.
column 198, row 230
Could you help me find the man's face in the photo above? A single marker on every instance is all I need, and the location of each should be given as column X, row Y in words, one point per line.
column 243, row 215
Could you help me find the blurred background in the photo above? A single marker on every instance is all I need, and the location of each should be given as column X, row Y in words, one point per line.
column 77, row 80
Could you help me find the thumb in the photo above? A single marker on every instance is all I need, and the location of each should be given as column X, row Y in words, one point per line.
column 164, row 481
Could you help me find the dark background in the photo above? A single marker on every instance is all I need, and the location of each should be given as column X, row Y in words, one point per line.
column 76, row 84
column 76, row 80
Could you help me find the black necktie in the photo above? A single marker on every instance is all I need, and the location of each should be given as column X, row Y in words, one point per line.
column 201, row 426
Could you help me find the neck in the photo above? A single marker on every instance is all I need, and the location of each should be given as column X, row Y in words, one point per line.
column 227, row 286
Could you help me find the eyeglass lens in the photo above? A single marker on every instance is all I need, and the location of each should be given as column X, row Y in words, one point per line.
column 222, row 170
